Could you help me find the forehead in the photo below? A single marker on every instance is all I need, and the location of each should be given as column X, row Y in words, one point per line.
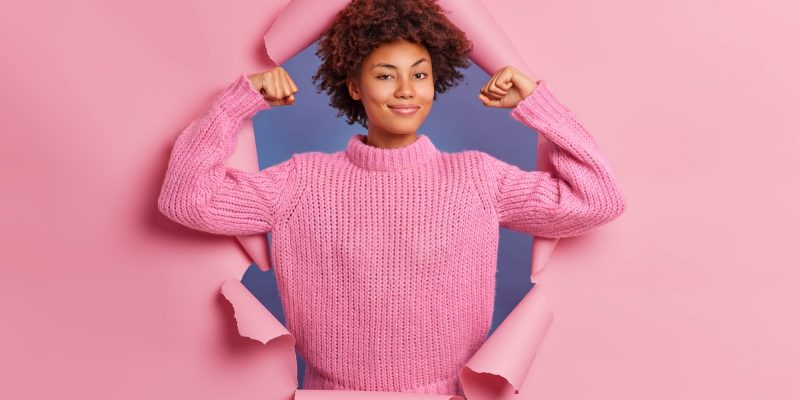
column 401, row 53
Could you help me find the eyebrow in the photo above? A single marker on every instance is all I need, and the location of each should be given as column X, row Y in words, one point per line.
column 394, row 67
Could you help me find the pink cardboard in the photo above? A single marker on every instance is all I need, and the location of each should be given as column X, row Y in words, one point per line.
column 691, row 294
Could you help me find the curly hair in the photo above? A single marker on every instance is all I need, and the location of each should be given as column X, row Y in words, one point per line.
column 364, row 25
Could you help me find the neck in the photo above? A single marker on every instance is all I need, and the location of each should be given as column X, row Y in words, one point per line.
column 375, row 158
column 387, row 140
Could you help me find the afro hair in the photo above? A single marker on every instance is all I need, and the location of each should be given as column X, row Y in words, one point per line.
column 364, row 25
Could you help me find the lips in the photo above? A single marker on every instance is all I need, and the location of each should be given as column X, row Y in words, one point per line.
column 404, row 106
column 404, row 109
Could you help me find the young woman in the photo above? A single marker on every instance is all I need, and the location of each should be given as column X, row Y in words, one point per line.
column 385, row 252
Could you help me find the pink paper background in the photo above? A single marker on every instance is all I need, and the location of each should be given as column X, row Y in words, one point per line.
column 690, row 294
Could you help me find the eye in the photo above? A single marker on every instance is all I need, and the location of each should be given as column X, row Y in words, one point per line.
column 379, row 76
column 423, row 73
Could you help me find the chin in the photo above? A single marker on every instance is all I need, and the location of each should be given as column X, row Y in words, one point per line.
column 404, row 133
column 400, row 129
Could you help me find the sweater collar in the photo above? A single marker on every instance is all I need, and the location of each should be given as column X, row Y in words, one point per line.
column 392, row 159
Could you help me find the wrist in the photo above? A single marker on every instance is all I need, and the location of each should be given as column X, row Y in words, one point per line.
column 527, row 89
column 526, row 83
column 533, row 87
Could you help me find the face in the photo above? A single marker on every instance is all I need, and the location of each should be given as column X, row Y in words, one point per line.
column 396, row 87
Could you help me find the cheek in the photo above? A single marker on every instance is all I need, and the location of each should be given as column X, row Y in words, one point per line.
column 375, row 96
column 427, row 93
column 428, row 100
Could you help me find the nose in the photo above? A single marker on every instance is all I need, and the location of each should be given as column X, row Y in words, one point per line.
column 404, row 89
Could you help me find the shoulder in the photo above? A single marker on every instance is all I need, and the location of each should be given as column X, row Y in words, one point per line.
column 474, row 166
column 479, row 162
column 475, row 156
column 470, row 165
column 471, row 158
column 318, row 157
column 316, row 162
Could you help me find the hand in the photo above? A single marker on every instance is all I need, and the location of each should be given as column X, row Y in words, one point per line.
column 506, row 88
column 275, row 85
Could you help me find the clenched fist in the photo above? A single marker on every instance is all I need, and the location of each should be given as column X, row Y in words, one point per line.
column 506, row 88
column 275, row 85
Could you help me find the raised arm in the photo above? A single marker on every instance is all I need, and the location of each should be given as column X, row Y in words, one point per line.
column 202, row 193
column 582, row 192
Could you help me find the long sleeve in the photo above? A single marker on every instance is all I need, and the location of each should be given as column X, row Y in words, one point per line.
column 200, row 192
column 579, row 195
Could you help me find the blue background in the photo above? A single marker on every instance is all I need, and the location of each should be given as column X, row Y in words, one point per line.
column 458, row 121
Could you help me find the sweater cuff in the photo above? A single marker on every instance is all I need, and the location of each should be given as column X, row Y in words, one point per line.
column 240, row 100
column 541, row 107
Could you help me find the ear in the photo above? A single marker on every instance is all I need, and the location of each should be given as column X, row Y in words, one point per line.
column 352, row 87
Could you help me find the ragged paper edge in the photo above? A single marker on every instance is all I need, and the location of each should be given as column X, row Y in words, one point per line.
column 499, row 367
column 542, row 247
column 302, row 22
column 489, row 374
column 299, row 24
column 245, row 158
column 257, row 247
column 253, row 320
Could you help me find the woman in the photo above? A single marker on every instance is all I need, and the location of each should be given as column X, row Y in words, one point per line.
column 385, row 252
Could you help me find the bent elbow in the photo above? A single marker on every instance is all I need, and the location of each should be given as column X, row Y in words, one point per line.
column 597, row 214
column 585, row 216
column 174, row 206
column 605, row 211
column 618, row 203
column 164, row 208
column 163, row 203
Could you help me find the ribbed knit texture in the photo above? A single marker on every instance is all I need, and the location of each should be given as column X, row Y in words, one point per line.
column 385, row 258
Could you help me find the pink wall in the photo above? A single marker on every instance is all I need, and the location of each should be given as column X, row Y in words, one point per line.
column 690, row 294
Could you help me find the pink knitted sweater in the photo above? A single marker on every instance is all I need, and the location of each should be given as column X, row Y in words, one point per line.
column 385, row 258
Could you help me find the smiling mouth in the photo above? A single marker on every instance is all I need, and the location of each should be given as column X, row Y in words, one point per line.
column 407, row 110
